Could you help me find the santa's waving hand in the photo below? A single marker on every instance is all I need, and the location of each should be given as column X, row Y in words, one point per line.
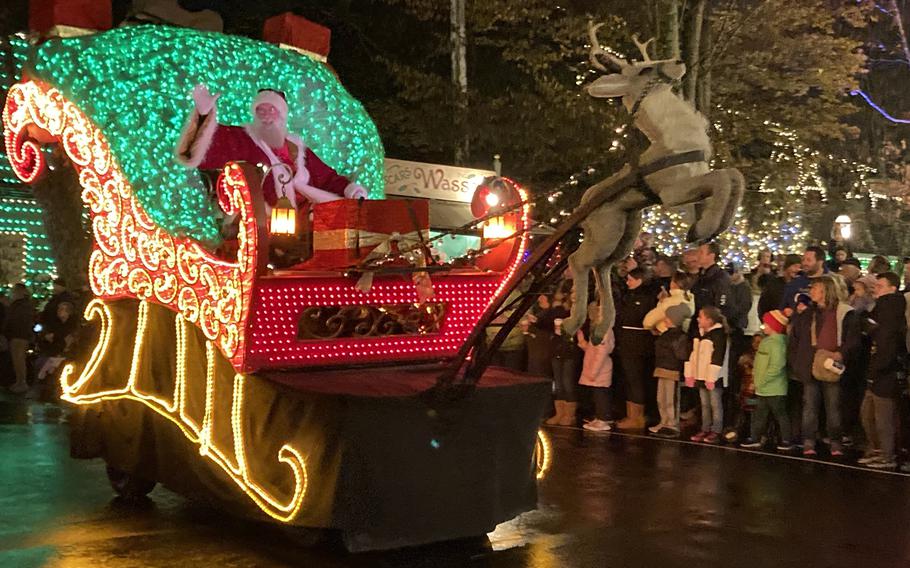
column 205, row 101
column 295, row 171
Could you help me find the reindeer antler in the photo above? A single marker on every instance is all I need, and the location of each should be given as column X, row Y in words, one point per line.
column 643, row 47
column 597, row 50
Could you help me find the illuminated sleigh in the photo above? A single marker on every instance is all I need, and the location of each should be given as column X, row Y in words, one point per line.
column 253, row 317
column 216, row 348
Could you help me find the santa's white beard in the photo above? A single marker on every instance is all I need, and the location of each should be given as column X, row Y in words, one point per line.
column 272, row 134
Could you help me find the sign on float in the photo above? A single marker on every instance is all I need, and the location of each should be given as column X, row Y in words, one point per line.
column 432, row 181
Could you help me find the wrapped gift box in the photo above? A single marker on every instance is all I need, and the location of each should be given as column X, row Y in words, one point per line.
column 291, row 29
column 88, row 14
column 346, row 231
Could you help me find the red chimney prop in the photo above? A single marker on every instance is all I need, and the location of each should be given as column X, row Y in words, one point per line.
column 298, row 32
column 43, row 15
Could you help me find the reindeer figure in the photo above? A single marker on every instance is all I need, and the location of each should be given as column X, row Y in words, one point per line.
column 672, row 126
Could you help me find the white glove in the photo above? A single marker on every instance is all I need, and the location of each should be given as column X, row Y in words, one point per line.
column 205, row 101
column 355, row 191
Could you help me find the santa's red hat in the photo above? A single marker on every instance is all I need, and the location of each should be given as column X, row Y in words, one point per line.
column 274, row 98
column 775, row 320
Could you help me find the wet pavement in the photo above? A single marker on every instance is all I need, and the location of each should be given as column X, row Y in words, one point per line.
column 609, row 500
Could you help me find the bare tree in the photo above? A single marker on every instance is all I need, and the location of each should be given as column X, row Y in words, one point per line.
column 693, row 47
column 460, row 80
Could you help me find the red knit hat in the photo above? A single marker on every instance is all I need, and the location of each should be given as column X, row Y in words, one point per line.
column 775, row 320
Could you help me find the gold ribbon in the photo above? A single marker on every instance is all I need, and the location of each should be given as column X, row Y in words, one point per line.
column 344, row 238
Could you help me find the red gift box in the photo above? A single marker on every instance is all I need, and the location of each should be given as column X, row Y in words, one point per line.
column 347, row 230
column 88, row 14
column 291, row 29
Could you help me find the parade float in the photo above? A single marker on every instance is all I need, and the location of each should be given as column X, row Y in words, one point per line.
column 330, row 371
column 311, row 393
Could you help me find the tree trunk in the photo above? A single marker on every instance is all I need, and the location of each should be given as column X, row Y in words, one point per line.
column 460, row 81
column 703, row 87
column 59, row 194
column 899, row 23
column 668, row 43
column 693, row 48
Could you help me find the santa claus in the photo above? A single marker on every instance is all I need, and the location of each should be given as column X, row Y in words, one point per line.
column 292, row 169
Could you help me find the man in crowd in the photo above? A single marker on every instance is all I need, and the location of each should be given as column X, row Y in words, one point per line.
column 772, row 293
column 20, row 319
column 887, row 328
column 713, row 285
column 906, row 284
column 690, row 263
column 813, row 266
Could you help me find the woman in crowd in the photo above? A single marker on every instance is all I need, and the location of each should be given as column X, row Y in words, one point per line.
column 537, row 339
column 635, row 347
column 678, row 293
column 565, row 356
column 824, row 336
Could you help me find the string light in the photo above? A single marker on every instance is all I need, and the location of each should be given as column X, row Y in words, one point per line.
column 79, row 393
column 543, row 454
column 135, row 83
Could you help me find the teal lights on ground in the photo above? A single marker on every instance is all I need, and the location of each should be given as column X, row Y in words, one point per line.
column 135, row 83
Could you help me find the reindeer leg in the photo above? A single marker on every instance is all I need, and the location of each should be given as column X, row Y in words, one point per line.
column 607, row 308
column 580, row 263
column 623, row 249
column 718, row 187
column 604, row 230
column 737, row 189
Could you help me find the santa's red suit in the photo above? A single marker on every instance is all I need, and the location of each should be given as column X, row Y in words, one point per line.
column 293, row 169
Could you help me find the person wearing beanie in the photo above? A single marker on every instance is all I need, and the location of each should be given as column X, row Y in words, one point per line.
column 671, row 350
column 770, row 376
column 294, row 170
column 863, row 297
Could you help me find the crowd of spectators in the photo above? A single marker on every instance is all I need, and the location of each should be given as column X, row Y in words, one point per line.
column 799, row 353
column 34, row 343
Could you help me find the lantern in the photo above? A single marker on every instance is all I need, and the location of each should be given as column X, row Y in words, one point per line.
column 491, row 196
column 842, row 230
column 284, row 218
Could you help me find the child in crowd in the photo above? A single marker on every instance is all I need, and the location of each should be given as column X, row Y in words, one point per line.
column 671, row 350
column 597, row 372
column 770, row 375
column 707, row 366
column 679, row 293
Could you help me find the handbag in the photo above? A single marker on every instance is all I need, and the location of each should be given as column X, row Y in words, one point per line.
column 821, row 371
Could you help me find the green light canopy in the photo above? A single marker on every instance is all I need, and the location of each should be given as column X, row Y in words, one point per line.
column 136, row 82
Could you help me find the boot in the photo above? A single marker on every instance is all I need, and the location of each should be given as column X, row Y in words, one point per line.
column 556, row 418
column 568, row 416
column 635, row 417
